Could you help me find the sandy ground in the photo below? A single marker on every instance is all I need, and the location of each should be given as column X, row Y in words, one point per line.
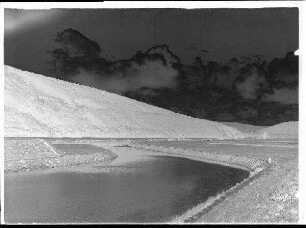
column 270, row 198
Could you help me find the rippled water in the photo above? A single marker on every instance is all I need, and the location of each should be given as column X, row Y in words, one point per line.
column 151, row 189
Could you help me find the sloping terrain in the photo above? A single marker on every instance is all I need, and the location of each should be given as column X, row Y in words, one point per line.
column 38, row 106
column 245, row 128
column 283, row 131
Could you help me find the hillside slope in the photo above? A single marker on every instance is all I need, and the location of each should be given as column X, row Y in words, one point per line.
column 282, row 131
column 38, row 106
column 245, row 128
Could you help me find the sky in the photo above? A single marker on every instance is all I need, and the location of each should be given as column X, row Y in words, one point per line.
column 225, row 33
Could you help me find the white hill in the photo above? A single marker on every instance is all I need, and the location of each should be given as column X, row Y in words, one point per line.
column 39, row 106
column 282, row 131
column 245, row 128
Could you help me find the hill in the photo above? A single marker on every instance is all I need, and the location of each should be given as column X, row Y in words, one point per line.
column 39, row 106
column 283, row 130
column 245, row 128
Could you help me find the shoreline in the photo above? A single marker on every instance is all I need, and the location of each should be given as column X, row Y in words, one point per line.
column 269, row 195
column 192, row 215
column 247, row 164
column 254, row 165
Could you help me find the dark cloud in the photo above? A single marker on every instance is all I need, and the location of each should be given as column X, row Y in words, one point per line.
column 76, row 44
column 77, row 59
column 283, row 72
column 251, row 82
column 215, row 34
column 284, row 79
column 283, row 96
column 151, row 74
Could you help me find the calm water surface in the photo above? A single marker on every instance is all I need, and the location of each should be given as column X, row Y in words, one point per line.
column 146, row 188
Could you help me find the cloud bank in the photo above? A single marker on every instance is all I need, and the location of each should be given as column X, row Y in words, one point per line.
column 284, row 96
column 251, row 83
column 149, row 75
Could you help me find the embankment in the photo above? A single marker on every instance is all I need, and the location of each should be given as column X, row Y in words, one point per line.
column 255, row 167
column 269, row 195
column 32, row 154
column 245, row 163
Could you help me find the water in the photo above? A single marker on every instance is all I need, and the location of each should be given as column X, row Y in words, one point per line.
column 73, row 149
column 136, row 187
